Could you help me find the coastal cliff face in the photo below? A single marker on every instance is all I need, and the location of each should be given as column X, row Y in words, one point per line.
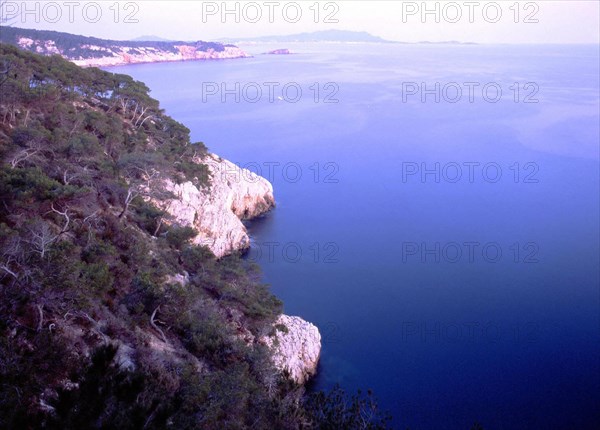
column 295, row 348
column 90, row 51
column 124, row 55
column 235, row 194
column 117, row 55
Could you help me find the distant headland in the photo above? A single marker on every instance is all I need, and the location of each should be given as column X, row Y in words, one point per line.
column 329, row 36
column 91, row 51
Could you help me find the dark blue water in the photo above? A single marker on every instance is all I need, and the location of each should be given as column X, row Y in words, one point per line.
column 455, row 298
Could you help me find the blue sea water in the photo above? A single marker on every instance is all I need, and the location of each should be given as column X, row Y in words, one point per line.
column 448, row 252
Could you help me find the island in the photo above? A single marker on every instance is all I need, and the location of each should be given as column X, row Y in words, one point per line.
column 279, row 52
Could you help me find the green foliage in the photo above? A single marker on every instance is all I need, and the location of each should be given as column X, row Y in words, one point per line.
column 178, row 237
column 197, row 259
column 282, row 328
column 108, row 397
column 335, row 409
column 197, row 173
column 97, row 277
column 30, row 184
column 146, row 215
column 22, row 367
column 75, row 46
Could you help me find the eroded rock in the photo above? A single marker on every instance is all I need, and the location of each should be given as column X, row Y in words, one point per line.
column 235, row 194
column 295, row 347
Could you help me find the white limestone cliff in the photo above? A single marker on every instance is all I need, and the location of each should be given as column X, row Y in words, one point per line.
column 295, row 348
column 235, row 194
column 152, row 55
column 119, row 54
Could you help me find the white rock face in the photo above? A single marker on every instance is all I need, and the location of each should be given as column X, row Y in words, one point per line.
column 236, row 194
column 117, row 55
column 296, row 351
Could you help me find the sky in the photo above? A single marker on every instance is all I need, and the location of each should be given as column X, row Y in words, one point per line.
column 509, row 21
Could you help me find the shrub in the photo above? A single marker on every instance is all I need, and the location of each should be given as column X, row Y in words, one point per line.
column 178, row 237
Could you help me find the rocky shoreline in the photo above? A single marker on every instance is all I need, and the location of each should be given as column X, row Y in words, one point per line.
column 238, row 194
column 186, row 53
column 114, row 53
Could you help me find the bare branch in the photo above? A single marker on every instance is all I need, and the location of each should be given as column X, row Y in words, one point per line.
column 42, row 238
column 144, row 120
column 41, row 322
column 87, row 317
column 90, row 217
column 131, row 194
column 68, row 177
column 22, row 156
column 153, row 324
column 10, row 272
column 65, row 214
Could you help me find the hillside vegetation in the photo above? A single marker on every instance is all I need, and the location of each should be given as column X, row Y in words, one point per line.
column 73, row 46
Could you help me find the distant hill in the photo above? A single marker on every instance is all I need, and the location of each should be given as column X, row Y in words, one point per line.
column 150, row 39
column 92, row 51
column 342, row 36
column 448, row 42
column 333, row 36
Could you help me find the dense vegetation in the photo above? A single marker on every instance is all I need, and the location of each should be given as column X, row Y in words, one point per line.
column 109, row 317
column 74, row 46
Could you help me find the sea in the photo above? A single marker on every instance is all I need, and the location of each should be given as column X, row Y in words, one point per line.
column 438, row 216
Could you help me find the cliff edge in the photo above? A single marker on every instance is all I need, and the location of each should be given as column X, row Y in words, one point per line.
column 295, row 348
column 235, row 194
column 238, row 194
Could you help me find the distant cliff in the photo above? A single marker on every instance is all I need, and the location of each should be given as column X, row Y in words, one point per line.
column 91, row 51
column 237, row 194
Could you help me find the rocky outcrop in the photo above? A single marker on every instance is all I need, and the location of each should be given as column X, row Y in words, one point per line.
column 235, row 194
column 295, row 347
column 279, row 52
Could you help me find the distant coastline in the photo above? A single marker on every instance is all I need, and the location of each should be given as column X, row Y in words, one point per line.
column 93, row 52
column 331, row 37
column 187, row 53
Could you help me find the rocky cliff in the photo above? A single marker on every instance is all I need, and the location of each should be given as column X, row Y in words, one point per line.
column 118, row 56
column 235, row 194
column 296, row 348
column 115, row 55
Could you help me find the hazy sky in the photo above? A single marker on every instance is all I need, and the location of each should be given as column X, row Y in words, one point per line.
column 412, row 21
